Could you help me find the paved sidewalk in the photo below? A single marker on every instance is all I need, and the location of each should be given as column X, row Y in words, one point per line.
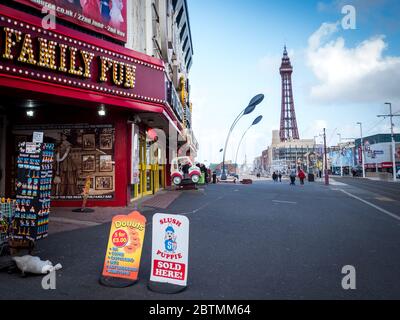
column 63, row 219
column 162, row 200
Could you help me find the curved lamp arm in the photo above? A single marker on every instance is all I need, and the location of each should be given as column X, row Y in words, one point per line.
column 249, row 109
column 240, row 142
column 256, row 121
column 227, row 139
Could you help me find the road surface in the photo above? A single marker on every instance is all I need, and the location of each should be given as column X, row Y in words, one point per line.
column 262, row 241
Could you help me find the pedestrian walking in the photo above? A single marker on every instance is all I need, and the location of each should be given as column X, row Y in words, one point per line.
column 302, row 176
column 293, row 177
column 203, row 171
column 280, row 176
column 208, row 175
column 274, row 176
column 214, row 177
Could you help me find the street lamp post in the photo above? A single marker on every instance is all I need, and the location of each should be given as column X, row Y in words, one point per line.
column 340, row 154
column 391, row 115
column 256, row 121
column 326, row 160
column 362, row 149
column 249, row 109
column 393, row 141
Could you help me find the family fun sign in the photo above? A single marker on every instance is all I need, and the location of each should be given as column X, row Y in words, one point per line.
column 29, row 52
column 170, row 253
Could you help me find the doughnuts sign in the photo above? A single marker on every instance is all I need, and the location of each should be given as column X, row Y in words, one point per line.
column 125, row 245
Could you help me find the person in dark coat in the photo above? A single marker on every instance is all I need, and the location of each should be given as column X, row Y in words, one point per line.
column 293, row 177
column 214, row 177
column 203, row 169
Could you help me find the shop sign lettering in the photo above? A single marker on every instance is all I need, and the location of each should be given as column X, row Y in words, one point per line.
column 63, row 58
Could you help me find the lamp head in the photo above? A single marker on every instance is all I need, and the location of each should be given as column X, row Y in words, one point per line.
column 249, row 109
column 256, row 100
column 257, row 120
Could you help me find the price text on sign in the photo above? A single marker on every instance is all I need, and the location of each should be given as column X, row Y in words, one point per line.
column 120, row 238
column 170, row 249
column 125, row 246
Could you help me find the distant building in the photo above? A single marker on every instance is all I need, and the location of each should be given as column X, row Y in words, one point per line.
column 342, row 158
column 257, row 165
column 290, row 154
column 230, row 167
column 378, row 152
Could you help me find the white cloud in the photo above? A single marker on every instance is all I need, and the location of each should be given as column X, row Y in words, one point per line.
column 351, row 75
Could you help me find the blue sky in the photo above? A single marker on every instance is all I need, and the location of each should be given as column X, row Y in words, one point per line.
column 340, row 76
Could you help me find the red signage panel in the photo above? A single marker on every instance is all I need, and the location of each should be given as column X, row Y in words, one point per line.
column 170, row 270
column 28, row 51
column 107, row 16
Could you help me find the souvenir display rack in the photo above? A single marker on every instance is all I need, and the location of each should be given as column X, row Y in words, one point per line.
column 7, row 209
column 33, row 191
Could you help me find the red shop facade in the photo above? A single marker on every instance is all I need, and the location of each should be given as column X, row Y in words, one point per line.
column 86, row 95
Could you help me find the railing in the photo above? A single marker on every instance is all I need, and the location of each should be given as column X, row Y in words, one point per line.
column 188, row 117
column 173, row 100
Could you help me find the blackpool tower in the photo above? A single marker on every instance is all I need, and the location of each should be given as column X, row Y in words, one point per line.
column 288, row 129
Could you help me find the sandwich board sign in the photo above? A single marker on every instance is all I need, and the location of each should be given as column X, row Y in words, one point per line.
column 170, row 253
column 124, row 250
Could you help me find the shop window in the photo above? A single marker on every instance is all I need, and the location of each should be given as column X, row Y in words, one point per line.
column 82, row 152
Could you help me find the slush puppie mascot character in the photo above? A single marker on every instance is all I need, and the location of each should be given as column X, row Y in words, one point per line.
column 170, row 240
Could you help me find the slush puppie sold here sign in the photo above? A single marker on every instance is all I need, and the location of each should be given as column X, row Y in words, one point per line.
column 170, row 249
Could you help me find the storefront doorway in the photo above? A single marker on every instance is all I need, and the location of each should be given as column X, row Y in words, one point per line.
column 151, row 173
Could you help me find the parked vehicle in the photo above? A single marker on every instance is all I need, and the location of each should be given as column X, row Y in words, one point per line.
column 183, row 171
column 234, row 175
column 357, row 171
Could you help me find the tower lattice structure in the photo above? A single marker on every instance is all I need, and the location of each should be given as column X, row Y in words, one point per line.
column 288, row 128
